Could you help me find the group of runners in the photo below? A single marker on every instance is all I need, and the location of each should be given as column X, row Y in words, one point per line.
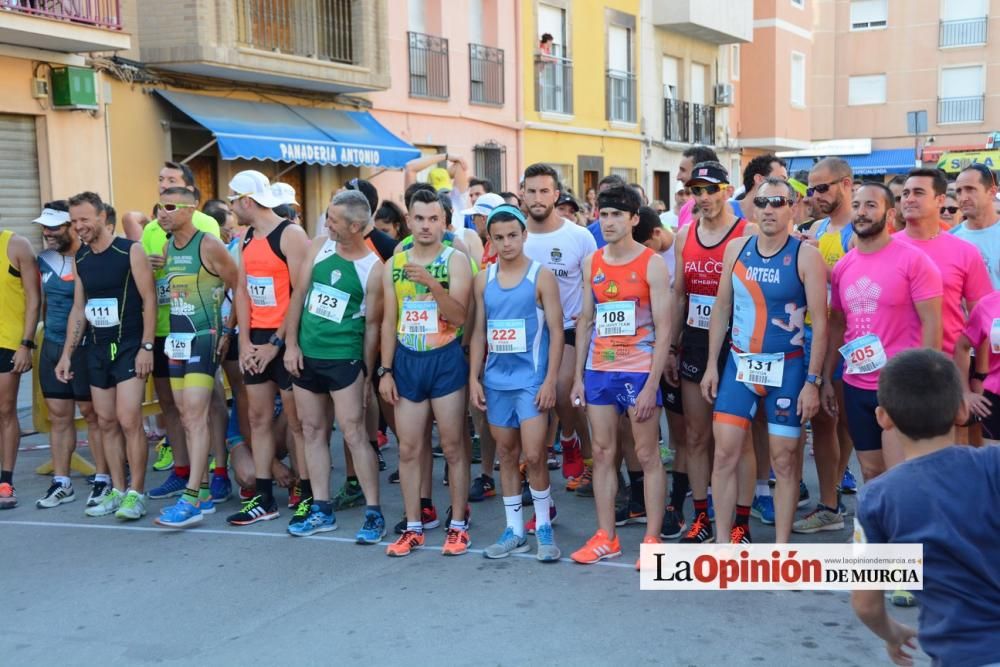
column 742, row 325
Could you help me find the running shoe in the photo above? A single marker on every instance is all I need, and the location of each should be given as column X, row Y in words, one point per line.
column 529, row 527
column 551, row 460
column 109, row 504
column 456, row 542
column 179, row 515
column 98, row 492
column 820, row 519
column 55, row 496
column 903, row 598
column 133, row 506
column 848, row 485
column 468, row 515
column 548, row 552
column 585, row 485
column 253, row 511
column 406, row 543
column 318, row 521
column 700, row 531
column 673, row 523
column 350, row 495
column 572, row 457
column 597, row 548
column 803, row 494
column 508, row 544
column 428, row 519
column 221, row 488
column 206, row 505
column 301, row 512
column 294, row 496
column 164, row 456
column 173, row 485
column 648, row 539
column 740, row 535
column 482, row 488
column 246, row 494
column 372, row 530
column 763, row 509
column 437, row 452
column 394, row 477
column 630, row 513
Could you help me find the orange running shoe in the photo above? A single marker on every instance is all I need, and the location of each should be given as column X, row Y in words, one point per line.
column 406, row 543
column 456, row 542
column 740, row 535
column 573, row 483
column 597, row 548
column 649, row 539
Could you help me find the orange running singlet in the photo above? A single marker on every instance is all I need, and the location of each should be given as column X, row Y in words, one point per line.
column 622, row 340
column 268, row 282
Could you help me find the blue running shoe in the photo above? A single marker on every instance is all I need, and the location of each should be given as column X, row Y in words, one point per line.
column 373, row 529
column 848, row 484
column 711, row 508
column 763, row 509
column 221, row 488
column 174, row 485
column 179, row 515
column 206, row 505
column 548, row 552
column 508, row 544
column 317, row 522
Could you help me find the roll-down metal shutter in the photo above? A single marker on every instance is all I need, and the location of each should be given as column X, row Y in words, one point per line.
column 19, row 188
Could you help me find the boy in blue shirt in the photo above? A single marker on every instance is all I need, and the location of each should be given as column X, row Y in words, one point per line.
column 943, row 496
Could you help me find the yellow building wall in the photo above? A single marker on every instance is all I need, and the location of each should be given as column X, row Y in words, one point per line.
column 139, row 147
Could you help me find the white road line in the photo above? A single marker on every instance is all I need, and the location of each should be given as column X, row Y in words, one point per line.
column 254, row 533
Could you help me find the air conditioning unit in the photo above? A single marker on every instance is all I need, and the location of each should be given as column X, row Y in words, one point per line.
column 723, row 94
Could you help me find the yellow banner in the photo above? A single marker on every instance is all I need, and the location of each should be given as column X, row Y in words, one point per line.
column 953, row 163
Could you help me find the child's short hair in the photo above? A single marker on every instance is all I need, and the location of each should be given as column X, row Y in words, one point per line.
column 921, row 391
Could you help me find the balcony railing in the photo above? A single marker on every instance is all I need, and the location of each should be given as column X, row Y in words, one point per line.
column 428, row 66
column 321, row 29
column 676, row 120
column 960, row 109
column 553, row 84
column 100, row 13
column 703, row 122
column 621, row 96
column 963, row 32
column 485, row 74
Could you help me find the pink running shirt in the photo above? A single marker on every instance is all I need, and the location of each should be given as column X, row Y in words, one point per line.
column 980, row 328
column 877, row 292
column 963, row 274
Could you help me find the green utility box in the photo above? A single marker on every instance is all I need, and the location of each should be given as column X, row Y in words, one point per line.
column 74, row 88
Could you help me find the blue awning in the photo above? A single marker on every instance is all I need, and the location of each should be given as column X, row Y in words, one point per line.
column 287, row 133
column 884, row 161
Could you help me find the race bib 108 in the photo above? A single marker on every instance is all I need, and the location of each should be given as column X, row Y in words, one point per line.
column 616, row 318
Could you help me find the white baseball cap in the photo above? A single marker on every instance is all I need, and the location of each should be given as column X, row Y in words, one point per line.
column 285, row 193
column 255, row 185
column 485, row 204
column 52, row 218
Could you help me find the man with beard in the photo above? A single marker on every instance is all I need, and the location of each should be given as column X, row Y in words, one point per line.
column 886, row 297
column 56, row 267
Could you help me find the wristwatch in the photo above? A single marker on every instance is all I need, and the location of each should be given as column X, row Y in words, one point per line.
column 275, row 341
column 148, row 347
column 383, row 370
column 815, row 379
column 28, row 343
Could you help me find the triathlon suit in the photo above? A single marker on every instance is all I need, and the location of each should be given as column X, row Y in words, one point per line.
column 332, row 328
column 196, row 297
column 621, row 347
column 702, row 273
column 154, row 242
column 429, row 362
column 269, row 286
column 768, row 331
column 113, row 308
column 58, row 286
column 832, row 246
column 12, row 305
column 517, row 338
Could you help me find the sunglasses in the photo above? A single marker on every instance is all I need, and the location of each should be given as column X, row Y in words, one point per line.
column 233, row 198
column 949, row 209
column 170, row 208
column 822, row 188
column 774, row 202
column 697, row 190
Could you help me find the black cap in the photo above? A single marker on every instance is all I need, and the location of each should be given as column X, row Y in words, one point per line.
column 708, row 172
column 568, row 199
column 365, row 188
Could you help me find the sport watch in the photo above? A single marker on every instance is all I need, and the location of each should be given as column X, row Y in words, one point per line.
column 28, row 343
column 383, row 370
column 275, row 341
column 815, row 379
column 148, row 347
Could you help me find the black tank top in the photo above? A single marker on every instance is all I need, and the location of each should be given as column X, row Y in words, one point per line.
column 108, row 275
